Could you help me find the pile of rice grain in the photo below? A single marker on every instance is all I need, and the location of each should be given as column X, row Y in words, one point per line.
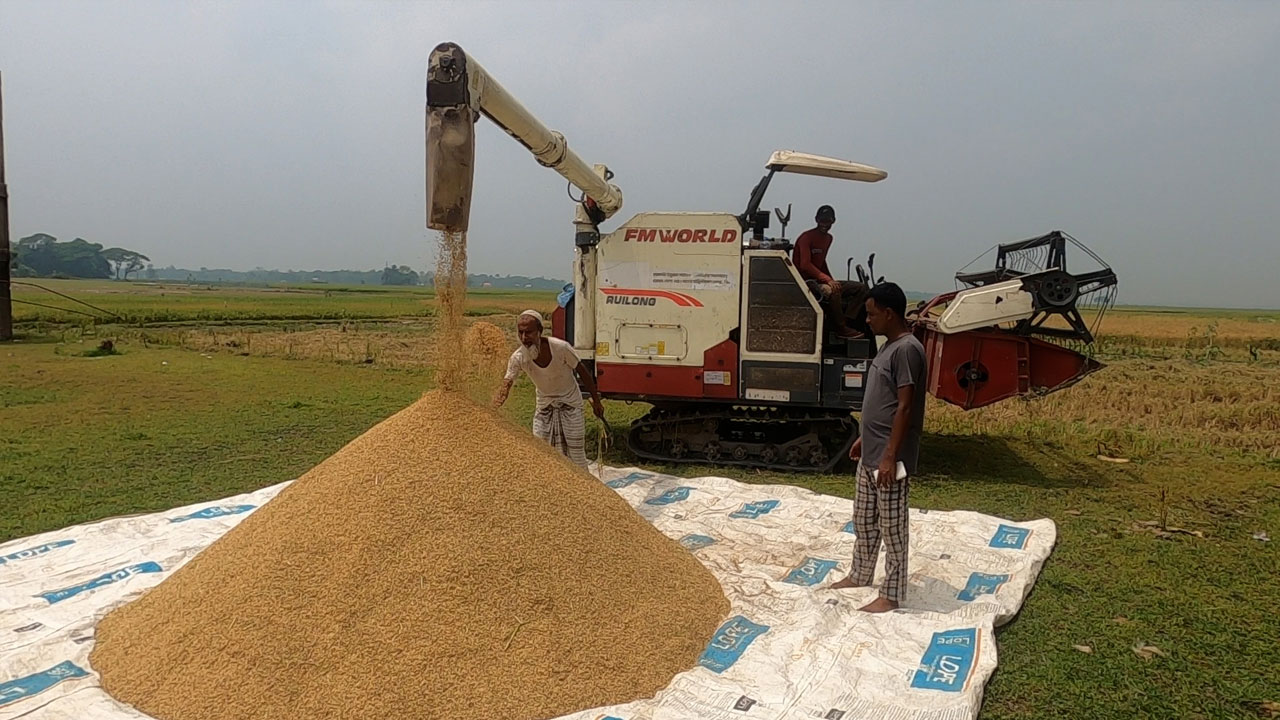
column 445, row 564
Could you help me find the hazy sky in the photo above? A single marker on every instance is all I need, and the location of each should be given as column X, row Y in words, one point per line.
column 290, row 135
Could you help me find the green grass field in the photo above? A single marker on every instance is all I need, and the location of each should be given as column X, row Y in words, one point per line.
column 195, row 410
column 139, row 303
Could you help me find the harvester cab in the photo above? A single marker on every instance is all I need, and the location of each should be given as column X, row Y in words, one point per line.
column 788, row 161
column 704, row 317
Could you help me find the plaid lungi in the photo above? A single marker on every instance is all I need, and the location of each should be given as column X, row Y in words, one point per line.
column 562, row 425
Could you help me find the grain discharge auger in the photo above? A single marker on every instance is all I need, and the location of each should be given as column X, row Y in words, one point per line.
column 703, row 315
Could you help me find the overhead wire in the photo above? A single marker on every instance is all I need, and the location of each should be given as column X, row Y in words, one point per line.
column 53, row 307
column 63, row 295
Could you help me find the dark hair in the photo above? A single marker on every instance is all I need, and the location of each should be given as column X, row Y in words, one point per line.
column 825, row 213
column 890, row 297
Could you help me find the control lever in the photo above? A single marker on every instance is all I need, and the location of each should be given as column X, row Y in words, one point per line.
column 871, row 267
column 784, row 219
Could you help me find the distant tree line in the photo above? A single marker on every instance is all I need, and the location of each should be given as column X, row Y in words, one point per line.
column 390, row 275
column 43, row 255
column 262, row 276
column 399, row 275
column 513, row 281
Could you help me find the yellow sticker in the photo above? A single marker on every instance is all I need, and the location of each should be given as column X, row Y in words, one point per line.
column 602, row 349
column 662, row 347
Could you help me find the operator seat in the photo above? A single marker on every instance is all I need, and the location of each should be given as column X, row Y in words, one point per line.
column 856, row 319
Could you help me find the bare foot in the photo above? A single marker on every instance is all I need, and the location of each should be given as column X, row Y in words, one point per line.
column 848, row 334
column 845, row 584
column 879, row 605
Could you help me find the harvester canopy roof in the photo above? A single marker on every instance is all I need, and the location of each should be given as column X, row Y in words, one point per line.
column 806, row 164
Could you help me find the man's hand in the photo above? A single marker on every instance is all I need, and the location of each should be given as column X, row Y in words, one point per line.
column 833, row 287
column 500, row 396
column 855, row 450
column 597, row 407
column 887, row 473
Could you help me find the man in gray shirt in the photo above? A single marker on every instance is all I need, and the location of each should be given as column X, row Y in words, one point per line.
column 892, row 422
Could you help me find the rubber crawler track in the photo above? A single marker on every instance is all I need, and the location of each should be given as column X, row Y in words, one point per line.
column 836, row 430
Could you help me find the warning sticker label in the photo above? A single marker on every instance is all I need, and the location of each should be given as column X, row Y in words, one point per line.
column 692, row 280
column 716, row 377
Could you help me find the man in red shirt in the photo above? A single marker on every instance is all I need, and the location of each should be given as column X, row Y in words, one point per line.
column 810, row 258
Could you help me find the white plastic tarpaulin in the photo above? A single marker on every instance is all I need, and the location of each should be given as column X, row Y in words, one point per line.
column 790, row 650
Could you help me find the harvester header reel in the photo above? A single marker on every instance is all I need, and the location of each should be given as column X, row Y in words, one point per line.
column 1029, row 291
column 1017, row 329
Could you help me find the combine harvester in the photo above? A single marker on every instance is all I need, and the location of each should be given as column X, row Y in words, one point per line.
column 703, row 316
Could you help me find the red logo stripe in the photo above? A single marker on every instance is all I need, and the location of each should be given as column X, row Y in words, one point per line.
column 691, row 299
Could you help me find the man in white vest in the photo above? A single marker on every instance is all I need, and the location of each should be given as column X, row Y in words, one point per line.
column 552, row 365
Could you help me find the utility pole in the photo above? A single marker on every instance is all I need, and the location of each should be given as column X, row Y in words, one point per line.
column 6, row 301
